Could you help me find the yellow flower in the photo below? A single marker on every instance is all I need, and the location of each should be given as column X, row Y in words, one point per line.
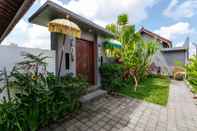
column 34, row 77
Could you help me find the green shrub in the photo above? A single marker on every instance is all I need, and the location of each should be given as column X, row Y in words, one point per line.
column 112, row 77
column 10, row 119
column 39, row 98
column 157, row 76
column 191, row 69
column 65, row 94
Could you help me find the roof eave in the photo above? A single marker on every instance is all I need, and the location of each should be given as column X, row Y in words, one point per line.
column 152, row 33
column 20, row 13
column 64, row 10
column 174, row 49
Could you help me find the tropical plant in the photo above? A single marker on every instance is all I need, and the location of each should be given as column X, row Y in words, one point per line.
column 33, row 63
column 10, row 117
column 123, row 19
column 111, row 27
column 136, row 53
column 191, row 70
column 119, row 28
column 4, row 77
column 39, row 97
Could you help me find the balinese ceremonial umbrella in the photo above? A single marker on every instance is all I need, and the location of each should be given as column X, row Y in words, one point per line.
column 111, row 44
column 65, row 27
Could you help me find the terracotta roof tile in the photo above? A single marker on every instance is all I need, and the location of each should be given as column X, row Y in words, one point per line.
column 154, row 35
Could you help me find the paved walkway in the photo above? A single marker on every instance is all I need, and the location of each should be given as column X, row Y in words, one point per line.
column 125, row 114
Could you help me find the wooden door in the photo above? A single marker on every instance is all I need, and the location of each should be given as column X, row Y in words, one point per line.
column 85, row 60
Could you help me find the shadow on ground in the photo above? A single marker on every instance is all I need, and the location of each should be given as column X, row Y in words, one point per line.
column 106, row 114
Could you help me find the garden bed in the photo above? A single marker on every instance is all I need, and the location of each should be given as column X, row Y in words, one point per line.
column 193, row 88
column 39, row 98
column 153, row 89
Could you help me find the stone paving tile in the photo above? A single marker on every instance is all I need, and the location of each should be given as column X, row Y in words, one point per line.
column 126, row 114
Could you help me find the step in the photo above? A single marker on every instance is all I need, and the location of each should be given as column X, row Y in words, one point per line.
column 92, row 96
column 92, row 89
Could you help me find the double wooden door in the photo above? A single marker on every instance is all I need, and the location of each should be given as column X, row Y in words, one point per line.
column 85, row 65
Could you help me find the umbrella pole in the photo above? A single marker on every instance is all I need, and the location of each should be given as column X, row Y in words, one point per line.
column 60, row 66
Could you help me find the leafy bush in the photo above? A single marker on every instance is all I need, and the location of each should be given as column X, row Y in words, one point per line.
column 191, row 69
column 39, row 98
column 136, row 54
column 10, row 117
column 112, row 76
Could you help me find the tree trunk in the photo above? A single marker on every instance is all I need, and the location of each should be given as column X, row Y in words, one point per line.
column 136, row 82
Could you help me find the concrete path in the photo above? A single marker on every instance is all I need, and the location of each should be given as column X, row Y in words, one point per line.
column 126, row 114
column 182, row 112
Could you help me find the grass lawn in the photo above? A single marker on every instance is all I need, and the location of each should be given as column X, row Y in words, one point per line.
column 153, row 89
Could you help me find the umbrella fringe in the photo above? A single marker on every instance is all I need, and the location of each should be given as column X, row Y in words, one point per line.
column 65, row 30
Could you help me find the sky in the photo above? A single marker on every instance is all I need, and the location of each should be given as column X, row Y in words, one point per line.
column 172, row 19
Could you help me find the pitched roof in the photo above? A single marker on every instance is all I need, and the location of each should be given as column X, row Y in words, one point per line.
column 11, row 11
column 154, row 35
column 50, row 11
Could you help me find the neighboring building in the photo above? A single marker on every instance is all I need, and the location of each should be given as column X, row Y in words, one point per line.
column 175, row 56
column 81, row 56
column 168, row 57
column 148, row 35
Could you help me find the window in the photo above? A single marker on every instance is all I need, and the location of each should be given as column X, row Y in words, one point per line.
column 101, row 60
column 67, row 61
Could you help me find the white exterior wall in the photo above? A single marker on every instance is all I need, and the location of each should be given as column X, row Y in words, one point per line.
column 100, row 54
column 67, row 49
column 57, row 40
column 87, row 36
column 10, row 55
